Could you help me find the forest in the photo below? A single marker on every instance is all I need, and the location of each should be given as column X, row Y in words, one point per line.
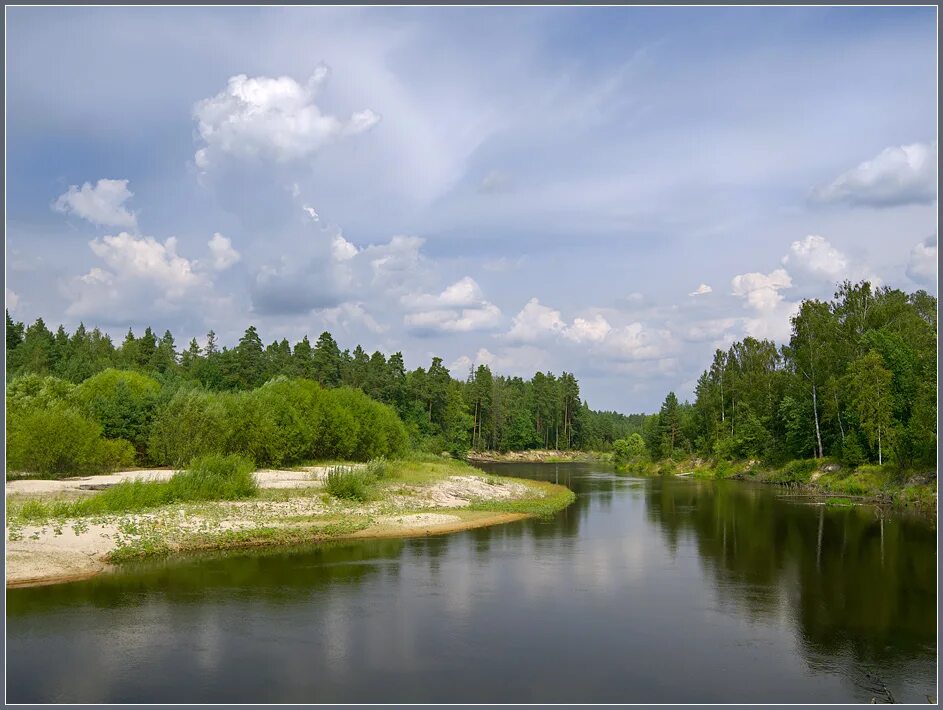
column 856, row 382
column 148, row 403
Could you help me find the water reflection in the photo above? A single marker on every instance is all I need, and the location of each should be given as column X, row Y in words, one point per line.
column 641, row 591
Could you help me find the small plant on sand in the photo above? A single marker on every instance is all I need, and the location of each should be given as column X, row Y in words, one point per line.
column 348, row 482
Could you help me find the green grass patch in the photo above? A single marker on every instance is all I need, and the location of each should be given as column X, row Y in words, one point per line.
column 209, row 478
column 549, row 499
column 839, row 502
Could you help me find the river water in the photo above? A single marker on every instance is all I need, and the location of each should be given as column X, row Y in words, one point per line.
column 658, row 590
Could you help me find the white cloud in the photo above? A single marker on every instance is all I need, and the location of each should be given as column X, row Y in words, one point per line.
column 922, row 266
column 534, row 321
column 396, row 263
column 311, row 212
column 483, row 317
column 701, row 290
column 588, row 331
column 13, row 299
column 635, row 342
column 342, row 250
column 815, row 257
column 146, row 258
column 350, row 314
column 461, row 307
column 101, row 204
column 140, row 273
column 224, row 255
column 270, row 118
column 761, row 291
column 898, row 175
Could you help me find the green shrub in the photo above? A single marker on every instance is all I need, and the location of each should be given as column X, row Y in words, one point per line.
column 348, row 483
column 216, row 477
column 60, row 441
column 798, row 471
column 191, row 424
column 123, row 403
column 38, row 392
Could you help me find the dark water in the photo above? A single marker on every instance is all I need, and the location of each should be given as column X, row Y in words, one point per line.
column 656, row 590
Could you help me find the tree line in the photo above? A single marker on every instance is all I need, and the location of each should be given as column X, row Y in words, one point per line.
column 856, row 381
column 441, row 412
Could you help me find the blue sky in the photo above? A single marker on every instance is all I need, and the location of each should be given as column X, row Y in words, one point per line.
column 611, row 191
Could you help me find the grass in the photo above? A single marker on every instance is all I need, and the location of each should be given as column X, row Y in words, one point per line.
column 839, row 502
column 261, row 535
column 209, row 478
column 356, row 482
column 548, row 499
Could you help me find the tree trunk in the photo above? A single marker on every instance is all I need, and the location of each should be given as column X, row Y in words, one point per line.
column 880, row 459
column 815, row 411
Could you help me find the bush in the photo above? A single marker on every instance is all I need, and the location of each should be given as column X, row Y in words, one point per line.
column 37, row 392
column 191, row 424
column 123, row 402
column 348, row 482
column 798, row 471
column 60, row 441
column 281, row 423
column 216, row 477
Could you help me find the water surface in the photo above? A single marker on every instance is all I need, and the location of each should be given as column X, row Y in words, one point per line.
column 661, row 590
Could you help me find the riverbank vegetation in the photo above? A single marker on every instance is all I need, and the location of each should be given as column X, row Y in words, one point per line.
column 78, row 403
column 219, row 504
column 848, row 404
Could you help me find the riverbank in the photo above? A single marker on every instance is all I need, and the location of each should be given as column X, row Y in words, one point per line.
column 418, row 498
column 535, row 456
column 826, row 478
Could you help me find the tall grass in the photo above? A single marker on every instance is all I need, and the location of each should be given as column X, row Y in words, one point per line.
column 212, row 477
column 356, row 482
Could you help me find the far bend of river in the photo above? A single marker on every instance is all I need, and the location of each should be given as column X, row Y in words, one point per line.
column 662, row 590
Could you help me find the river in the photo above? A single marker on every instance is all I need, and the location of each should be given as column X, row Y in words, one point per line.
column 659, row 590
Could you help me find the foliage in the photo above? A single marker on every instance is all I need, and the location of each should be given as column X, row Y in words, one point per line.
column 211, row 477
column 857, row 380
column 348, row 482
column 57, row 440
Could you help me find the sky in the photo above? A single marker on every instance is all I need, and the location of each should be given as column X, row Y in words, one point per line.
column 614, row 192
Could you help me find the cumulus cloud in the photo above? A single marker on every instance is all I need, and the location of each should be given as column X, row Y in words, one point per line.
column 101, row 204
column 899, row 175
column 222, row 251
column 815, row 257
column 397, row 263
column 761, row 291
column 270, row 118
column 139, row 272
column 485, row 317
column 535, row 321
column 461, row 307
column 591, row 330
column 701, row 290
column 922, row 266
column 634, row 341
column 311, row 212
column 348, row 315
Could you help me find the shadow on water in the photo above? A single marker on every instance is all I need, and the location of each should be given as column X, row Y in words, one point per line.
column 642, row 590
